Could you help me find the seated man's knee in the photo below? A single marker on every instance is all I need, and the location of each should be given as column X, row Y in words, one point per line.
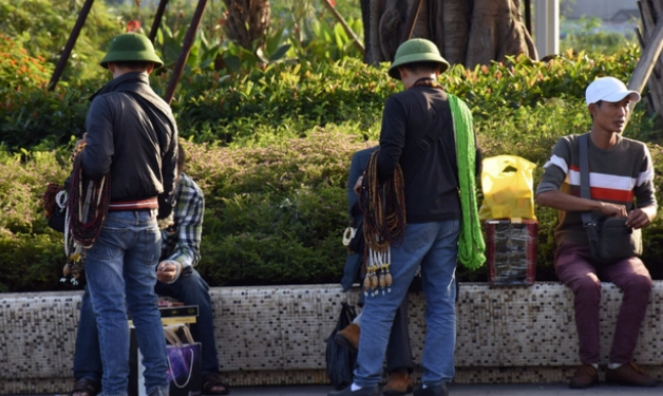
column 638, row 282
column 588, row 282
column 193, row 279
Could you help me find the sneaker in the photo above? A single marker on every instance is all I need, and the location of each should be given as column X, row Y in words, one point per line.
column 436, row 390
column 365, row 391
column 400, row 383
column 349, row 337
column 629, row 374
column 584, row 377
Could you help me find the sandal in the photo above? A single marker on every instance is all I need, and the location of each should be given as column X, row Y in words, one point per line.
column 86, row 385
column 211, row 381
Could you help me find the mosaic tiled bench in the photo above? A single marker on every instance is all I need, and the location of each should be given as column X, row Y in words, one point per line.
column 275, row 335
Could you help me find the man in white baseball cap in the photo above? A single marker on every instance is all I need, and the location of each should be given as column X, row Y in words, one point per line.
column 609, row 89
column 620, row 174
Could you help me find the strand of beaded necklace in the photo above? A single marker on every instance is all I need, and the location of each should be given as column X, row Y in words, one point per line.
column 86, row 212
column 88, row 206
column 384, row 224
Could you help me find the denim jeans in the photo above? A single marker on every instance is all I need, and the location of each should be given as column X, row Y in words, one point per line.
column 87, row 357
column 120, row 274
column 191, row 290
column 434, row 247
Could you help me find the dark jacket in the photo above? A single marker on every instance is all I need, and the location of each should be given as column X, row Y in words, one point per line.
column 429, row 169
column 351, row 271
column 131, row 132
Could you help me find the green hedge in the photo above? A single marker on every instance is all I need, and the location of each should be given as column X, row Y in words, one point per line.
column 272, row 150
column 273, row 216
column 285, row 101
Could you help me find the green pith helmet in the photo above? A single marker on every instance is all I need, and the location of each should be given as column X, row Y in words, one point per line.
column 417, row 50
column 131, row 47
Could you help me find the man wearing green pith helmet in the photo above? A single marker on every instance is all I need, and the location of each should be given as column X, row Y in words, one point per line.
column 131, row 136
column 427, row 140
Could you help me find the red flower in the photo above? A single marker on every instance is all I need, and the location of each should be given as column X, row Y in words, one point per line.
column 333, row 3
column 133, row 26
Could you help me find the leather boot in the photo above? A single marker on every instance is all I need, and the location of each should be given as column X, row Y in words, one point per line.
column 584, row 377
column 348, row 337
column 399, row 384
column 629, row 374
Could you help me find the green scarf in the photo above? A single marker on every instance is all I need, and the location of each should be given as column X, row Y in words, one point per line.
column 471, row 245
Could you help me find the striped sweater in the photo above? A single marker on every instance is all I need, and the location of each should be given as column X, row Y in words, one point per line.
column 622, row 174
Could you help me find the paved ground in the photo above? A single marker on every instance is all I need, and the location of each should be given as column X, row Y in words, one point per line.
column 466, row 390
column 470, row 390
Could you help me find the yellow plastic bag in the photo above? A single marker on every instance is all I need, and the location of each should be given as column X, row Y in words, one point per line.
column 507, row 185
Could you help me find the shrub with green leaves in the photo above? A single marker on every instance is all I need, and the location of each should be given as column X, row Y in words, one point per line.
column 284, row 101
column 271, row 150
column 32, row 253
column 43, row 27
column 274, row 214
column 19, row 70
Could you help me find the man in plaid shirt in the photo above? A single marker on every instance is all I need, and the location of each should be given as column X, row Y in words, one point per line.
column 176, row 278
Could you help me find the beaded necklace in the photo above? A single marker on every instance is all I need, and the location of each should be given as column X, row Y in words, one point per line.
column 426, row 82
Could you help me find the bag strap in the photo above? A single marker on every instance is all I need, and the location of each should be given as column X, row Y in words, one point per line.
column 174, row 377
column 439, row 116
column 171, row 336
column 186, row 333
column 583, row 146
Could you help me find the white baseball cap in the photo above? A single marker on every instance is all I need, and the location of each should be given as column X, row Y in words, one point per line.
column 609, row 89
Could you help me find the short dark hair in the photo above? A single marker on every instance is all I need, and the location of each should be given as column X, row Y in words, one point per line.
column 422, row 67
column 598, row 104
column 133, row 65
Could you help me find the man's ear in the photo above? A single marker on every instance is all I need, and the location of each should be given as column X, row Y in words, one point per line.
column 150, row 68
column 111, row 67
column 592, row 109
column 403, row 71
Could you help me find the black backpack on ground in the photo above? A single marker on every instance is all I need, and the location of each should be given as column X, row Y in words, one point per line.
column 340, row 360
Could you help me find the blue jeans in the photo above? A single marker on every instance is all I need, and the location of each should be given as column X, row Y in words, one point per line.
column 120, row 274
column 191, row 290
column 434, row 247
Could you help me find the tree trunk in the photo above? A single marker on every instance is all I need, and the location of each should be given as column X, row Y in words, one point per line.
column 376, row 8
column 247, row 21
column 469, row 32
column 497, row 30
column 392, row 23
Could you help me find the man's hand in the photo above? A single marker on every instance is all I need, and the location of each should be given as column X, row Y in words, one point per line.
column 81, row 142
column 639, row 218
column 613, row 210
column 357, row 187
column 168, row 271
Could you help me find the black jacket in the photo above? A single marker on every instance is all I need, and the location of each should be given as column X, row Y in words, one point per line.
column 131, row 132
column 430, row 170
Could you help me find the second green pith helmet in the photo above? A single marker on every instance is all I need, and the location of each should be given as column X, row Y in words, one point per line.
column 417, row 50
column 131, row 47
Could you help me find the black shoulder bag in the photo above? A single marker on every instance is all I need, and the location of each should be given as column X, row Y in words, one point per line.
column 610, row 240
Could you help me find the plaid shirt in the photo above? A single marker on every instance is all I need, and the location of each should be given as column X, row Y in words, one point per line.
column 181, row 243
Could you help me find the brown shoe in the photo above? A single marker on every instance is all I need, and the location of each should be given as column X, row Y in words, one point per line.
column 399, row 384
column 629, row 374
column 584, row 377
column 348, row 337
